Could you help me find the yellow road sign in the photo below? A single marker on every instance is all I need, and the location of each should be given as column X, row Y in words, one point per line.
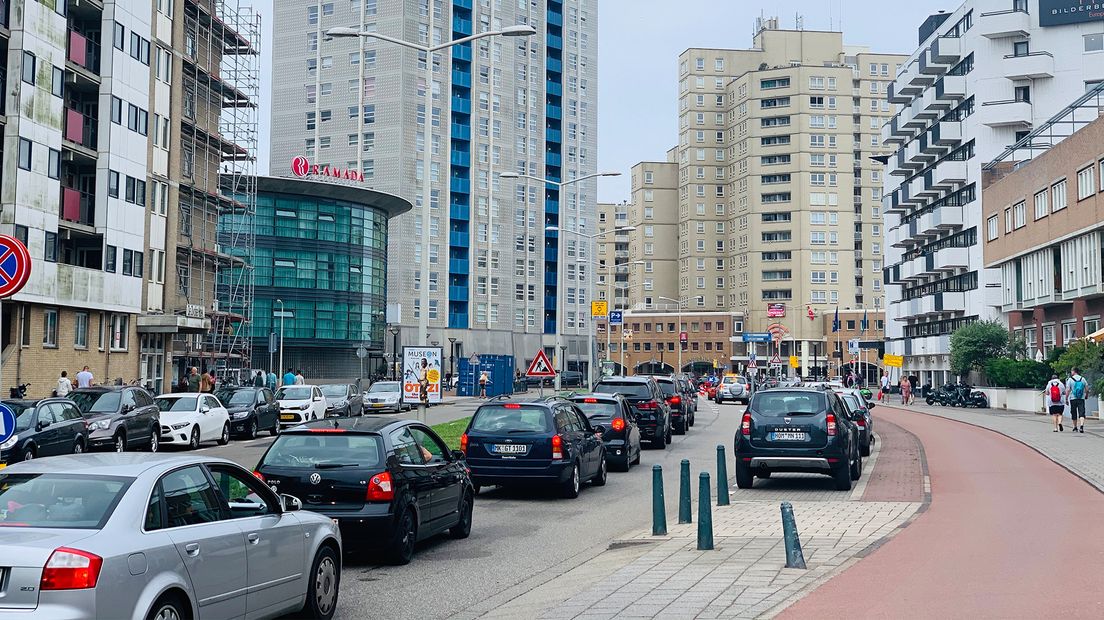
column 794, row 362
column 599, row 309
column 893, row 361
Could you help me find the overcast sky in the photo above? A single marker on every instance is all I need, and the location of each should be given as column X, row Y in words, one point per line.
column 639, row 44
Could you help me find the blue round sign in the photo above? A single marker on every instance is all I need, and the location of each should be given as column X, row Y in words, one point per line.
column 7, row 423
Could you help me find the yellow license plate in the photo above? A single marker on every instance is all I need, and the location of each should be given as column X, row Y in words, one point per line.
column 3, row 465
column 287, row 417
column 378, row 405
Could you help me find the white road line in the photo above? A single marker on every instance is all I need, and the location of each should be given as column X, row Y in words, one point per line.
column 868, row 469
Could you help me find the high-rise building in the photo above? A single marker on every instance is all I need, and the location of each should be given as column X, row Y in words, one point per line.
column 654, row 211
column 523, row 105
column 612, row 251
column 982, row 78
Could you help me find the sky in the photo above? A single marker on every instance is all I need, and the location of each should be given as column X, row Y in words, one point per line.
column 639, row 44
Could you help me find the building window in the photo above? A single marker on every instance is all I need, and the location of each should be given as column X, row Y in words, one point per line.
column 110, row 253
column 1086, row 183
column 1019, row 215
column 29, row 62
column 49, row 327
column 120, row 332
column 1058, row 196
column 1041, row 209
column 1094, row 42
column 54, row 169
column 25, row 154
column 50, row 253
column 1021, row 48
column 992, row 227
column 80, row 331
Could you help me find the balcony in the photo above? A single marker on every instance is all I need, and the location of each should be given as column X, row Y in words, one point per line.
column 925, row 189
column 1004, row 24
column 459, row 239
column 950, row 174
column 84, row 56
column 930, row 106
column 913, row 160
column 949, row 259
column 895, row 95
column 555, row 42
column 458, row 293
column 951, row 88
column 460, row 185
column 912, row 269
column 77, row 207
column 553, row 88
column 461, row 105
column 939, row 221
column 946, row 50
column 1028, row 66
column 947, row 134
column 910, row 116
column 80, row 129
column 460, row 158
column 1009, row 113
column 461, row 26
column 929, row 65
column 460, row 132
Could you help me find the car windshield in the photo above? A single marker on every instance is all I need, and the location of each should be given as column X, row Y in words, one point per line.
column 385, row 386
column 335, row 391
column 294, row 393
column 96, row 402
column 595, row 409
column 511, row 418
column 23, row 415
column 59, row 500
column 780, row 404
column 667, row 387
column 626, row 388
column 181, row 403
column 236, row 397
column 321, row 449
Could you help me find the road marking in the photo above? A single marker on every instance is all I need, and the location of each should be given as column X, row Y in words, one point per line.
column 868, row 469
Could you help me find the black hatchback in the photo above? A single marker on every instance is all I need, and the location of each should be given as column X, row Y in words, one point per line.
column 653, row 413
column 621, row 432
column 48, row 427
column 387, row 483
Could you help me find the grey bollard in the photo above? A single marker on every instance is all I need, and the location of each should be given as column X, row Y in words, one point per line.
column 794, row 557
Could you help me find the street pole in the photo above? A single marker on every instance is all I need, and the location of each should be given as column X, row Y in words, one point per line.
column 427, row 189
column 282, row 313
column 679, row 339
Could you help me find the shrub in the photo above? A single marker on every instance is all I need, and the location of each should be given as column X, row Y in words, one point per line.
column 1008, row 373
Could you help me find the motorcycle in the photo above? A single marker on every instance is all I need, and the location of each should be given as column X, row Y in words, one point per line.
column 943, row 395
column 18, row 392
column 969, row 397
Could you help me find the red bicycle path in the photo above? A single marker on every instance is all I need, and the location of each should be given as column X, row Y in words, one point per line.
column 1008, row 534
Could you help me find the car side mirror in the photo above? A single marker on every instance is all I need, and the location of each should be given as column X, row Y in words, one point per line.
column 457, row 455
column 127, row 409
column 42, row 424
column 870, row 405
column 291, row 503
column 599, row 430
column 204, row 409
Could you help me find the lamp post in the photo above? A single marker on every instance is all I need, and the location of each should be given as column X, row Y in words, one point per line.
column 394, row 329
column 520, row 30
column 452, row 358
column 680, row 302
column 282, row 314
column 611, row 270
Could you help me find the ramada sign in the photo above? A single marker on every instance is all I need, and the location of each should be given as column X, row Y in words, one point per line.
column 301, row 167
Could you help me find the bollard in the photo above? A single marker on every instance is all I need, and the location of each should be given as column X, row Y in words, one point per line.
column 794, row 557
column 705, row 514
column 659, row 510
column 722, row 476
column 684, row 492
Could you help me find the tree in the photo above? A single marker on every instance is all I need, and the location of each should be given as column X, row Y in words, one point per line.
column 1085, row 355
column 977, row 343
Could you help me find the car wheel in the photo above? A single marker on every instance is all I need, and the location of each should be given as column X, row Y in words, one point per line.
column 193, row 441
column 475, row 489
column 155, row 440
column 402, row 542
column 322, row 586
column 692, row 417
column 856, row 468
column 866, row 447
column 462, row 529
column 636, row 461
column 744, row 478
column 120, row 442
column 599, row 479
column 225, row 439
column 660, row 442
column 680, row 428
column 78, row 448
column 275, row 430
column 570, row 488
column 168, row 608
column 842, row 476
column 28, row 455
column 668, row 437
column 251, row 433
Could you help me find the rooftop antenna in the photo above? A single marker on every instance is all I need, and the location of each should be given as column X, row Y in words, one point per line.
column 831, row 22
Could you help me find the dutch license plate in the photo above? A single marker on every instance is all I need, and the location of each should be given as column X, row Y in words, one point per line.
column 788, row 436
column 509, row 449
column 3, row 465
column 378, row 405
column 287, row 417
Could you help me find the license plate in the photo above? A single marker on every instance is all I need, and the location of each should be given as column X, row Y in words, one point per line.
column 509, row 449
column 788, row 436
column 3, row 465
column 378, row 405
column 288, row 417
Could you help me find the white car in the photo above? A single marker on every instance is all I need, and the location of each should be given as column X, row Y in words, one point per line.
column 191, row 419
column 300, row 403
column 385, row 397
column 734, row 388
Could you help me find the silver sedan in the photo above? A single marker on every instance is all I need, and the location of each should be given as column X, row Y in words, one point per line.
column 159, row 536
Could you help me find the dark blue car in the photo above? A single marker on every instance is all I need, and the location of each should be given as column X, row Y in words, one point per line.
column 545, row 442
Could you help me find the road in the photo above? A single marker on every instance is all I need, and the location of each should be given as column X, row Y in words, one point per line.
column 1009, row 534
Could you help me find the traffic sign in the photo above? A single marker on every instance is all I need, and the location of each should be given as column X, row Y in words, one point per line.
column 7, row 423
column 853, row 346
column 683, row 336
column 616, row 317
column 599, row 309
column 751, row 363
column 15, row 265
column 761, row 337
column 362, row 352
column 795, row 362
column 474, row 360
column 776, row 360
column 541, row 366
column 893, row 361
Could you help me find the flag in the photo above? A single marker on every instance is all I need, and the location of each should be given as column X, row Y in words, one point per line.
column 865, row 322
column 836, row 322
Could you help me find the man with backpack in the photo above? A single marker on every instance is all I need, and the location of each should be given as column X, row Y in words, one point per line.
column 1055, row 397
column 1076, row 388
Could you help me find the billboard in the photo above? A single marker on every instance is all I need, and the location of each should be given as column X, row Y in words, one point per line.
column 1063, row 12
column 775, row 311
column 422, row 374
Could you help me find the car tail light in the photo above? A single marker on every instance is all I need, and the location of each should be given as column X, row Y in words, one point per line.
column 590, row 400
column 380, row 489
column 464, row 443
column 71, row 569
column 745, row 425
column 557, row 447
column 831, row 420
column 674, row 400
column 648, row 405
column 259, row 475
column 512, row 406
column 327, row 430
column 618, row 424
column 861, row 423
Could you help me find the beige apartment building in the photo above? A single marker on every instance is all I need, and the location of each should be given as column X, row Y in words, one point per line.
column 654, row 211
column 612, row 268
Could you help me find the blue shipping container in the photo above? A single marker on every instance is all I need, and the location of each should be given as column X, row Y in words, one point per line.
column 500, row 372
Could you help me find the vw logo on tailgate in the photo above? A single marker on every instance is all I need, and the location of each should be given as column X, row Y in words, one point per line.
column 315, row 478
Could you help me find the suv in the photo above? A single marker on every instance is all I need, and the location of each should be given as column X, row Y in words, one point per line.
column 653, row 414
column 689, row 391
column 622, row 435
column 682, row 415
column 252, row 409
column 733, row 387
column 797, row 430
column 119, row 418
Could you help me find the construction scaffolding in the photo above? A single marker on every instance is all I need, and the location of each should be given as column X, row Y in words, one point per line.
column 218, row 190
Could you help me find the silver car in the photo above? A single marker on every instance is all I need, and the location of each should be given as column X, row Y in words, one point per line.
column 732, row 387
column 385, row 397
column 159, row 536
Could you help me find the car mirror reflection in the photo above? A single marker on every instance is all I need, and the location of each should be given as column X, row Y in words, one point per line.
column 291, row 503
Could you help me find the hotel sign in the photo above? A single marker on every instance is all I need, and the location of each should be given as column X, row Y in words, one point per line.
column 1063, row 12
column 302, row 167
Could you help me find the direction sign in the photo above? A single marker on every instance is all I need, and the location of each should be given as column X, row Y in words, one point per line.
column 795, row 362
column 893, row 361
column 15, row 265
column 599, row 309
column 541, row 366
column 853, row 346
column 7, row 423
column 761, row 337
column 617, row 317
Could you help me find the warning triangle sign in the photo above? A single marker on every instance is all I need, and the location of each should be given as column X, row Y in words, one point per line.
column 541, row 366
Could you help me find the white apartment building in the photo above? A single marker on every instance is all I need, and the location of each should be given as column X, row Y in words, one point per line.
column 981, row 79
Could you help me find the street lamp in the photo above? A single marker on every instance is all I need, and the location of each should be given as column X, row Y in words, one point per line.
column 282, row 315
column 612, row 269
column 520, row 30
column 680, row 302
column 394, row 329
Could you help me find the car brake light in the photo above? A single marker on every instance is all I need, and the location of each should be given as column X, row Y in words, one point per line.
column 512, row 406
column 557, row 447
column 674, row 400
column 618, row 424
column 831, row 419
column 648, row 404
column 590, row 400
column 327, row 430
column 71, row 569
column 464, row 443
column 259, row 475
column 380, row 489
column 745, row 425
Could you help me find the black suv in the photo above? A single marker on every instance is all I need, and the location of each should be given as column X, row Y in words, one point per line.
column 653, row 414
column 682, row 413
column 797, row 430
column 251, row 409
column 119, row 418
column 622, row 435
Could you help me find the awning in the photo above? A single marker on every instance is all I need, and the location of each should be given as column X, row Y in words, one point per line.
column 1096, row 336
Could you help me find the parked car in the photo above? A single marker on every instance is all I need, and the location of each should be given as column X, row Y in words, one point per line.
column 733, row 387
column 568, row 378
column 797, row 430
column 300, row 403
column 385, row 397
column 388, row 483
column 343, row 399
column 190, row 419
column 119, row 418
column 688, row 391
column 653, row 414
column 547, row 441
column 621, row 435
column 156, row 536
column 251, row 409
column 47, row 427
column 682, row 416
column 860, row 408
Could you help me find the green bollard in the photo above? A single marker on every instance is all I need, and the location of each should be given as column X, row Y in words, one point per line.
column 722, row 476
column 794, row 557
column 659, row 510
column 705, row 514
column 684, row 492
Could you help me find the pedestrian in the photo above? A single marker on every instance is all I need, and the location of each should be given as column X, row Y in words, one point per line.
column 289, row 377
column 212, row 380
column 64, row 385
column 906, row 390
column 299, row 380
column 884, row 387
column 448, row 380
column 1076, row 390
column 85, row 378
column 483, row 381
column 205, row 382
column 193, row 379
column 271, row 383
column 259, row 380
column 1055, row 398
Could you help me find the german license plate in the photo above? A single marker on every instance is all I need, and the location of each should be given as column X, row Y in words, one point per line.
column 509, row 449
column 788, row 436
column 288, row 417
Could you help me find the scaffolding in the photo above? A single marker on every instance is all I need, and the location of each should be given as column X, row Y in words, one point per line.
column 218, row 190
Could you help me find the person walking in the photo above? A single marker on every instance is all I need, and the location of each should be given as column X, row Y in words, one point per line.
column 483, row 381
column 1055, row 400
column 64, row 385
column 1076, row 390
column 212, row 380
column 85, row 378
column 299, row 380
column 885, row 387
column 259, row 380
column 906, row 390
column 193, row 379
column 205, row 384
column 271, row 383
column 289, row 377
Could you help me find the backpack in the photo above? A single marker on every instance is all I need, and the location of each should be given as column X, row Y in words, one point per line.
column 1055, row 393
column 1079, row 388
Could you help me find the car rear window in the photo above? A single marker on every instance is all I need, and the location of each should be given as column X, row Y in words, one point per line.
column 512, row 418
column 780, row 404
column 598, row 410
column 322, row 449
column 60, row 501
column 852, row 402
column 626, row 388
column 667, row 387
